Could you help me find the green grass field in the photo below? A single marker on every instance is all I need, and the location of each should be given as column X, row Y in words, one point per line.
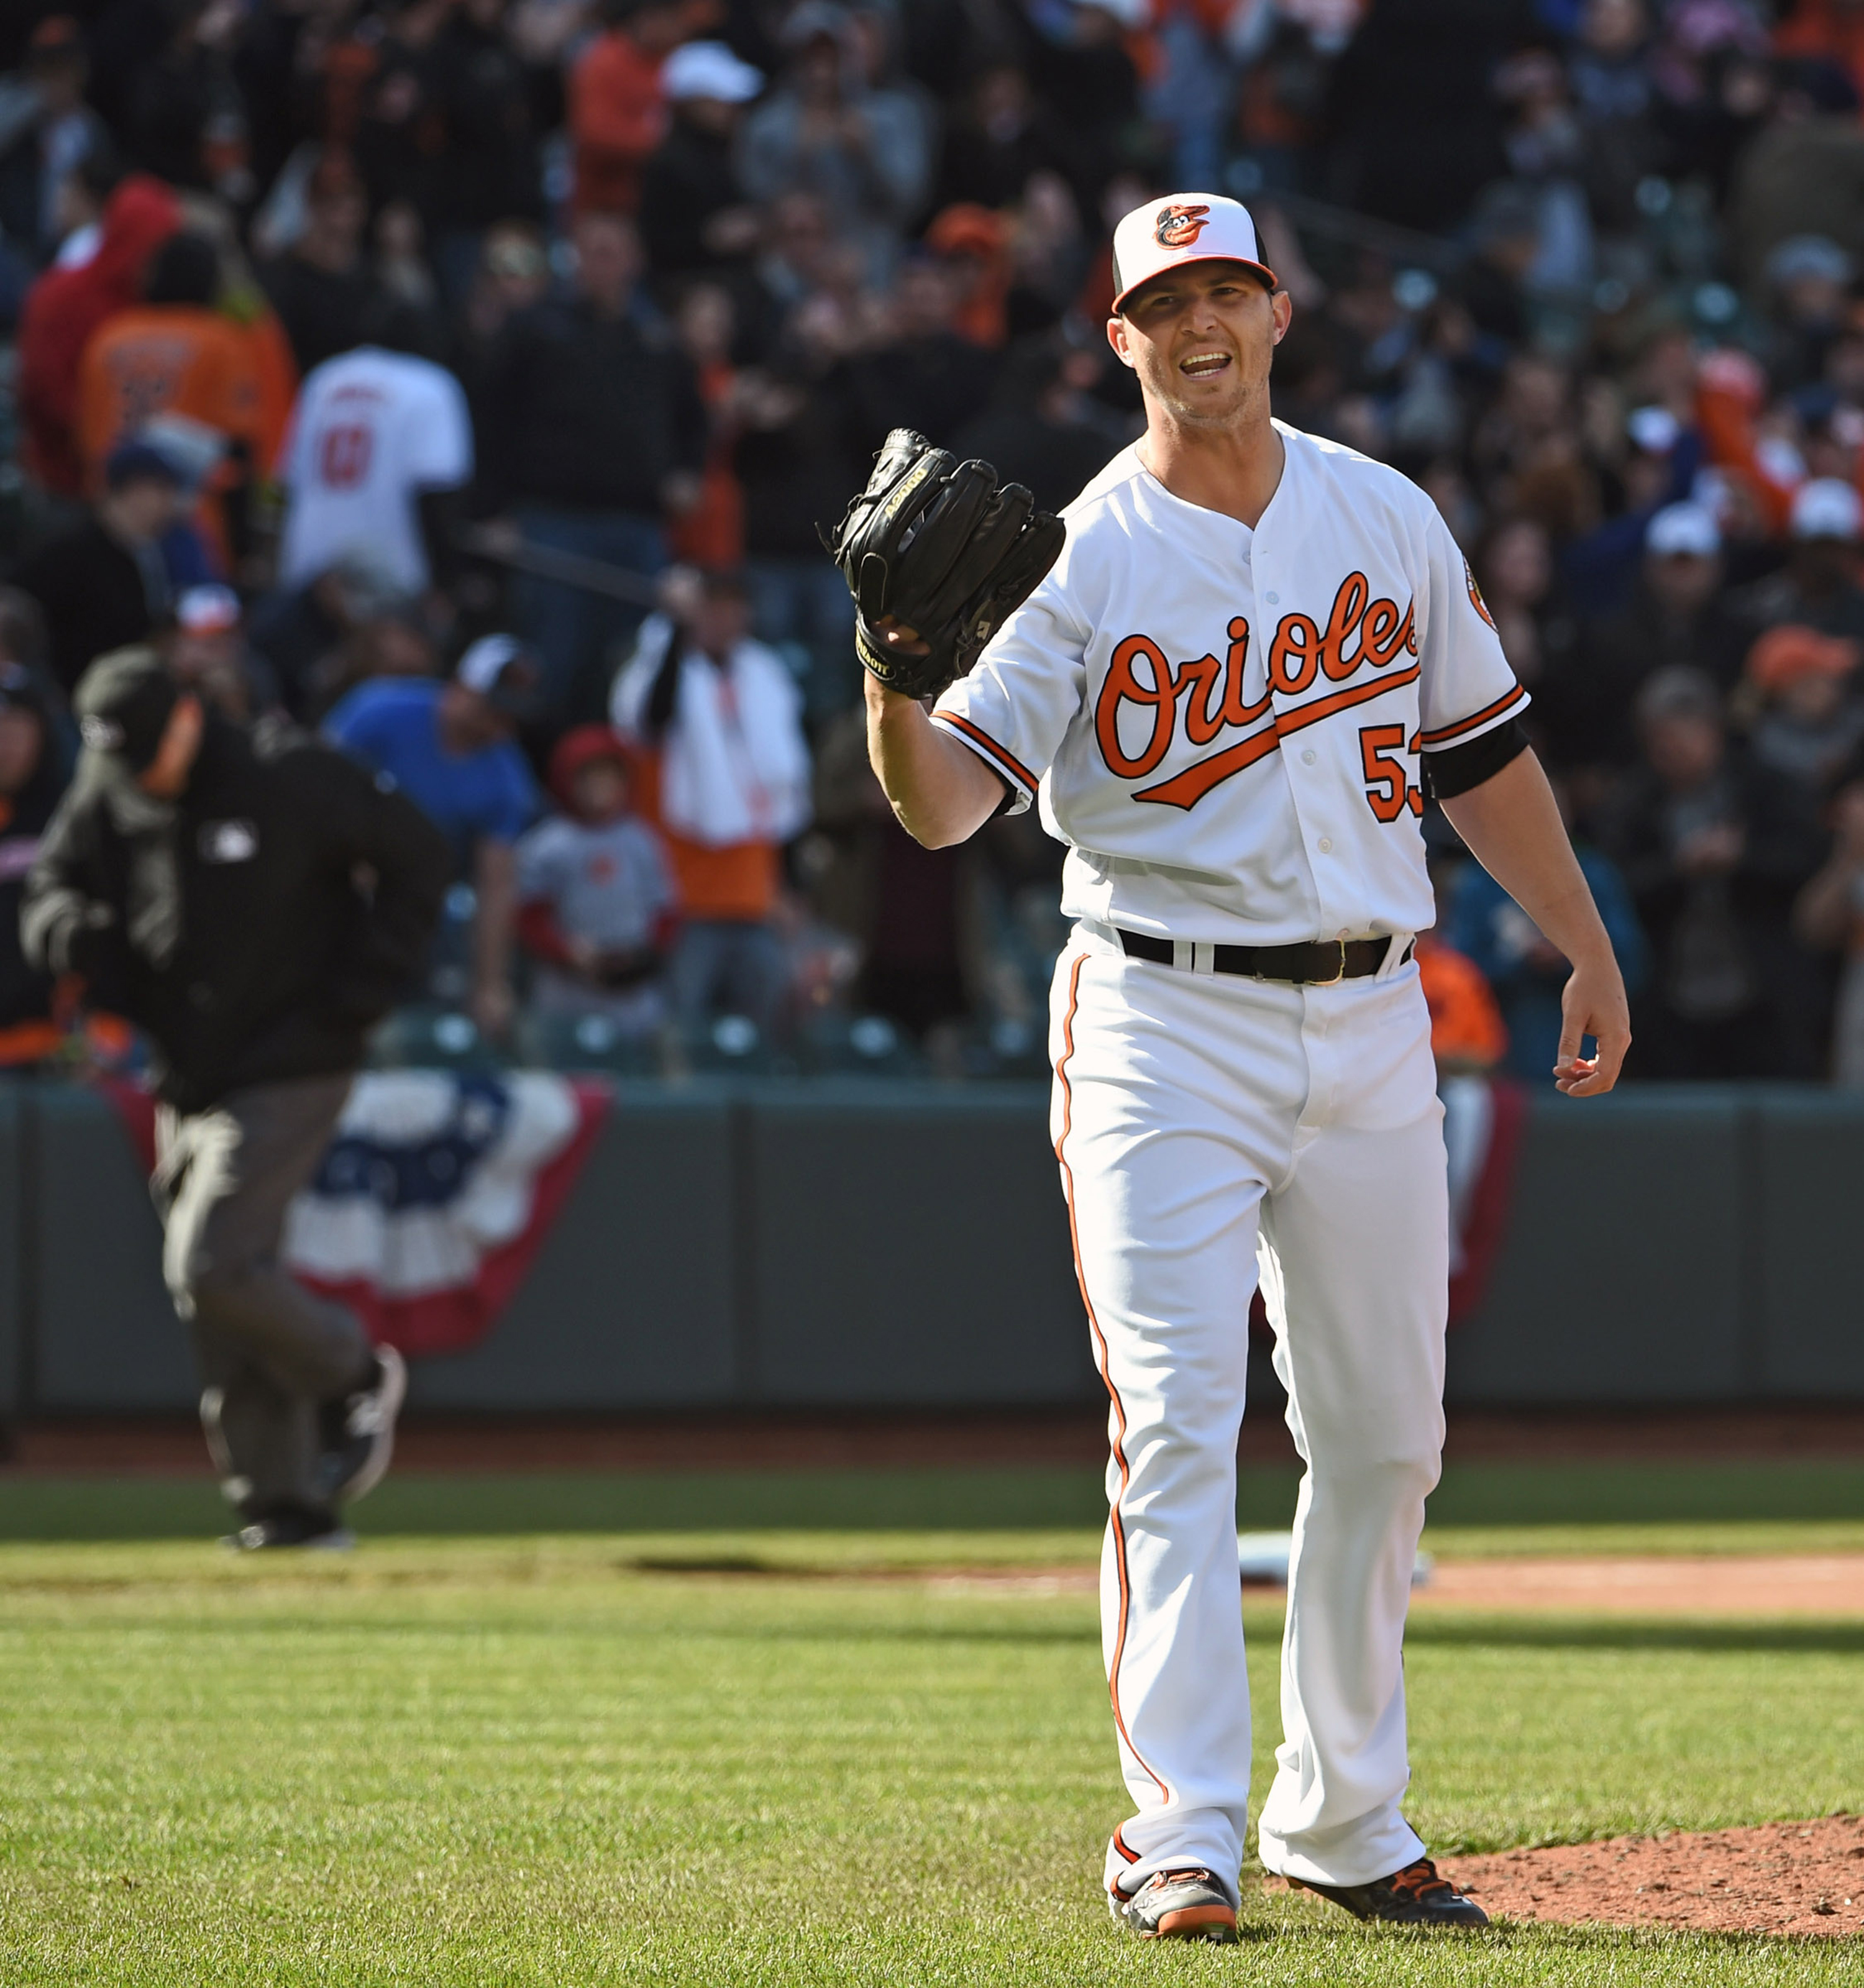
column 688, row 1742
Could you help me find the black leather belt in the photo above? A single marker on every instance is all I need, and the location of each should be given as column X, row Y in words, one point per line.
column 1312, row 963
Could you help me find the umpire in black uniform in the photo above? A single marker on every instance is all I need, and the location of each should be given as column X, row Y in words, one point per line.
column 254, row 901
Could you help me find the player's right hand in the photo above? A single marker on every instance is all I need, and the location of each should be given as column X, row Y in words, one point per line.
column 1593, row 1003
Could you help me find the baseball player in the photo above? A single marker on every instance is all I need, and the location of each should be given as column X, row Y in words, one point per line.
column 1254, row 657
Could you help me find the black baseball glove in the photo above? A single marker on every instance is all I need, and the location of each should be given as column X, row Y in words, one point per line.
column 937, row 546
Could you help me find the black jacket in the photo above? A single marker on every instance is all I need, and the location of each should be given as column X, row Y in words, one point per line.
column 95, row 593
column 323, row 313
column 934, row 384
column 255, row 928
column 800, row 475
column 588, row 412
column 485, row 169
column 688, row 180
column 1588, row 697
column 1750, row 907
column 1056, row 460
column 1783, row 844
column 25, row 992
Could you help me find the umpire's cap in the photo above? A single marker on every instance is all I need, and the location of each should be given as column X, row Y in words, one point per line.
column 123, row 703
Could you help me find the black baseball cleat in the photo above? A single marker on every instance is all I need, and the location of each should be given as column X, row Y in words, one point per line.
column 293, row 1526
column 359, row 1431
column 1179, row 1904
column 1416, row 1895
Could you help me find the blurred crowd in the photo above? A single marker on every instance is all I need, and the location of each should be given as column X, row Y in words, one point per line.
column 468, row 380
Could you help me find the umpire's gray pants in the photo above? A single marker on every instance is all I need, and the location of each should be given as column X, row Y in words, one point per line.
column 270, row 1354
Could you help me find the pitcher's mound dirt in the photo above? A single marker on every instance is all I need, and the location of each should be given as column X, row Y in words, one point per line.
column 1782, row 1878
column 1773, row 1585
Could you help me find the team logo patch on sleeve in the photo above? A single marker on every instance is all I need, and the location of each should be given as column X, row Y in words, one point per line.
column 1475, row 594
column 227, row 841
column 1179, row 227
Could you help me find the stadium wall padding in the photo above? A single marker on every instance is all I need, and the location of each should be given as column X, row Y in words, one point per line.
column 631, row 1301
column 106, row 1337
column 1622, row 1275
column 1808, row 1311
column 16, row 1266
column 910, row 1245
column 863, row 1243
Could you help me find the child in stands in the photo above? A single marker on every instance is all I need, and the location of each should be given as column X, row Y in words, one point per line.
column 597, row 907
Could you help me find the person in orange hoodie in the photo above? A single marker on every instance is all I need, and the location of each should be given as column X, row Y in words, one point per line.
column 618, row 111
column 176, row 354
column 63, row 309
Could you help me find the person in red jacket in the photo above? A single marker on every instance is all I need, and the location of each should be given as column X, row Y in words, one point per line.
column 65, row 307
column 1824, row 30
column 618, row 110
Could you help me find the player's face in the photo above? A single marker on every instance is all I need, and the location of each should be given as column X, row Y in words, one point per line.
column 1201, row 339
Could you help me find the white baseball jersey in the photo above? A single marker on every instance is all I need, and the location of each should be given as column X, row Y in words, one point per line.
column 1225, row 725
column 371, row 430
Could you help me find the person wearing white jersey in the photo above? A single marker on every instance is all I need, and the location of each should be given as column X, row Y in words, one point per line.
column 378, row 440
column 1255, row 656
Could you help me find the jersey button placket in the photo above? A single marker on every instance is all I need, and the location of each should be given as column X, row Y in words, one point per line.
column 1305, row 794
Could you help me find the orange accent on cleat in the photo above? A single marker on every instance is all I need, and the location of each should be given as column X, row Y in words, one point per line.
column 1190, row 1922
column 1179, row 1904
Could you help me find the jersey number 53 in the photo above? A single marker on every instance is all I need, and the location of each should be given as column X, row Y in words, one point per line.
column 1389, row 787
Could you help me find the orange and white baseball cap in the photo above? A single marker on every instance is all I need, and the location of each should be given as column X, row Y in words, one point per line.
column 1181, row 229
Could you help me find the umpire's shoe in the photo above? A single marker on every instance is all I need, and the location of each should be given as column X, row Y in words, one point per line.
column 289, row 1525
column 359, row 1431
column 1418, row 1895
column 1179, row 1904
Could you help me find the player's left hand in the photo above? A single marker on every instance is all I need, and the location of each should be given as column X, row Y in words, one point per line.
column 1592, row 1004
column 904, row 640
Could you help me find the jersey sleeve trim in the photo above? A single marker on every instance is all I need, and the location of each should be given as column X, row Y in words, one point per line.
column 1508, row 705
column 1002, row 762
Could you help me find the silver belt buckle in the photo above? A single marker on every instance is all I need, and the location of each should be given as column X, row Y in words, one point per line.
column 1339, row 973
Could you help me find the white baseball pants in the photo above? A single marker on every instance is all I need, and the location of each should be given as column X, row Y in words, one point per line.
column 1208, row 1126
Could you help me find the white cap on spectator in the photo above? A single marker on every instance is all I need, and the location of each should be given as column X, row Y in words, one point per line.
column 1682, row 528
column 1183, row 228
column 1826, row 508
column 209, row 609
column 709, row 69
column 502, row 671
column 487, row 660
column 1654, row 430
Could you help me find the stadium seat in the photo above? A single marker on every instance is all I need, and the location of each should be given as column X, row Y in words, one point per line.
column 586, row 1043
column 859, row 1046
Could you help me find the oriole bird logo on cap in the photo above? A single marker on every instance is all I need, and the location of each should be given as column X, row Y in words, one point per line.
column 1179, row 227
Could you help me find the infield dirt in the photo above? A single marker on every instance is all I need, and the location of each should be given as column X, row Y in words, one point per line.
column 1800, row 1878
